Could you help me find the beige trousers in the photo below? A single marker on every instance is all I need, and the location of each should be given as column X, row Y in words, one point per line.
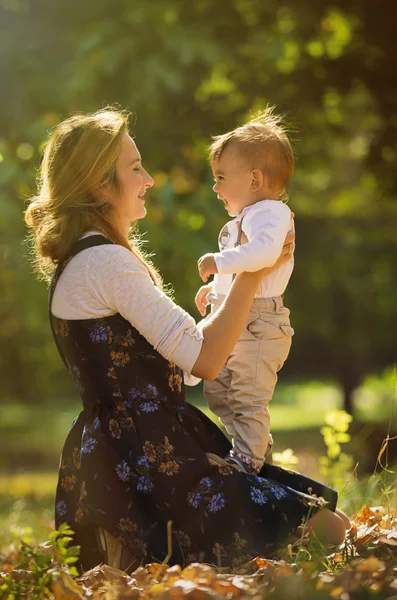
column 241, row 393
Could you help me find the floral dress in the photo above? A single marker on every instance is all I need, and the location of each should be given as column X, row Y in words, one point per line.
column 135, row 457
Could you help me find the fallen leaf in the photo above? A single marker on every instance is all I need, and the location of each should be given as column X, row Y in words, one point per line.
column 157, row 570
column 66, row 588
column 96, row 577
column 199, row 573
column 369, row 565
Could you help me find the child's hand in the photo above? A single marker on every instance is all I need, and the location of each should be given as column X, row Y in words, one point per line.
column 201, row 299
column 207, row 266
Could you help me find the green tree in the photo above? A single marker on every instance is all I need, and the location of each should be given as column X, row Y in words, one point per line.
column 188, row 71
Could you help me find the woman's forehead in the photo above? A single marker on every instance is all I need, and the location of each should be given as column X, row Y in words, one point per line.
column 129, row 152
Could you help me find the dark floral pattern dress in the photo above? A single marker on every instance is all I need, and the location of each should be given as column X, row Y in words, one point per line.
column 135, row 457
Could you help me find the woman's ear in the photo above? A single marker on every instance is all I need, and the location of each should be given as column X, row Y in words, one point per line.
column 257, row 180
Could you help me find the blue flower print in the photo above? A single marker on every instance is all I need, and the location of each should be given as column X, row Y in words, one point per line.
column 149, row 406
column 96, row 424
column 133, row 394
column 144, row 485
column 142, row 461
column 88, row 446
column 259, row 479
column 152, row 390
column 216, row 503
column 194, row 499
column 278, row 492
column 206, row 481
column 179, row 412
column 99, row 334
column 60, row 508
column 123, row 471
column 258, row 496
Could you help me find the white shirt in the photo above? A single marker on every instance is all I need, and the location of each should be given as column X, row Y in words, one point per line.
column 105, row 280
column 265, row 224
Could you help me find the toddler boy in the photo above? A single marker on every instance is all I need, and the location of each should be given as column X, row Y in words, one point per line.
column 252, row 167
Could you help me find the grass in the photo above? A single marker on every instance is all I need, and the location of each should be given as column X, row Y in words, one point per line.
column 26, row 506
column 30, row 518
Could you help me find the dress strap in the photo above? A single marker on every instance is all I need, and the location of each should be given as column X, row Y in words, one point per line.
column 87, row 242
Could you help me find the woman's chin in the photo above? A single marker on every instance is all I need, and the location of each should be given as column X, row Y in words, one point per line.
column 142, row 214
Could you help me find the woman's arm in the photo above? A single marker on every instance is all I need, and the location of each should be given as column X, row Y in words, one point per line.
column 224, row 329
column 115, row 281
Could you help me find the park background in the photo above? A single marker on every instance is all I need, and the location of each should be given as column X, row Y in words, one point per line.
column 190, row 70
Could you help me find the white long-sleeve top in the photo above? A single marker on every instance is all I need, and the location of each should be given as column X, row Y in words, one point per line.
column 105, row 280
column 265, row 224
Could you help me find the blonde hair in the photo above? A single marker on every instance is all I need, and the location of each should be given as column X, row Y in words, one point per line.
column 264, row 143
column 79, row 160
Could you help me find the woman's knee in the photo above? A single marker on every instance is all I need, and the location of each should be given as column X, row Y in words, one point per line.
column 328, row 527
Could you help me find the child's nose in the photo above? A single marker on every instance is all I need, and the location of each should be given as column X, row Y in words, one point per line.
column 214, row 187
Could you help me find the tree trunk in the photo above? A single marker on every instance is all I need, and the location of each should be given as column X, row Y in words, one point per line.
column 348, row 387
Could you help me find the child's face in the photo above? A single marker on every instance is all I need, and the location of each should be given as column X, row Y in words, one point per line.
column 233, row 180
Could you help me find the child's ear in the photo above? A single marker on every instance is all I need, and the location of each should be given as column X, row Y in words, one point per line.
column 257, row 180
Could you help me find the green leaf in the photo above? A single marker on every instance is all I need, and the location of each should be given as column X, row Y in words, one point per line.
column 73, row 551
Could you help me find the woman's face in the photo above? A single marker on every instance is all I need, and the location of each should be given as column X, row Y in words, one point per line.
column 134, row 181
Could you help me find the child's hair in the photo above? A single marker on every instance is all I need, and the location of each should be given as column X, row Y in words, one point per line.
column 264, row 143
column 79, row 161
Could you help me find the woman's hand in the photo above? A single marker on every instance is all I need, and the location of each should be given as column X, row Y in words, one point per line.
column 201, row 298
column 287, row 250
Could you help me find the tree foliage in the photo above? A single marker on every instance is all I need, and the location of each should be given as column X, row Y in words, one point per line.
column 189, row 71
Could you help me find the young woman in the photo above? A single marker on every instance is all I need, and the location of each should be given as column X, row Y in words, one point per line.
column 138, row 456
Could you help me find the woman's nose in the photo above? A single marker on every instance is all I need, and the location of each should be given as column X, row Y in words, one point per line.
column 149, row 180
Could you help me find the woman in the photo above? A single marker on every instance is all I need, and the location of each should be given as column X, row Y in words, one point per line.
column 136, row 457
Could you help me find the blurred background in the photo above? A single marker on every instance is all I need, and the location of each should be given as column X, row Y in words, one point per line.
column 190, row 70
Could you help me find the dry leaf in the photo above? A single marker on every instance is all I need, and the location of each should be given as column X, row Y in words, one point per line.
column 66, row 588
column 203, row 575
column 119, row 591
column 101, row 574
column 185, row 589
column 365, row 533
column 21, row 575
column 369, row 565
column 227, row 588
column 48, row 549
column 157, row 570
